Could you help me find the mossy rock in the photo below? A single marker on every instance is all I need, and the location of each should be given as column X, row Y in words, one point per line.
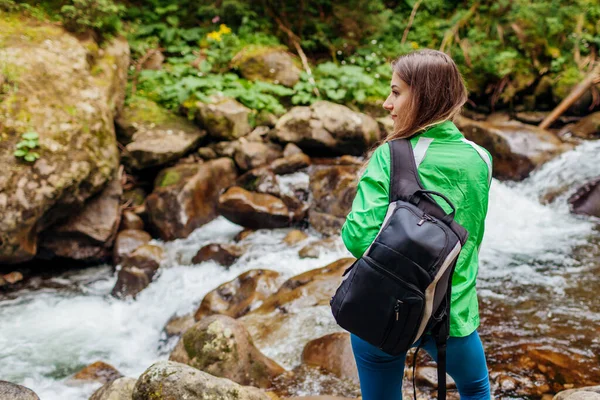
column 270, row 64
column 53, row 92
column 153, row 135
column 224, row 118
column 166, row 380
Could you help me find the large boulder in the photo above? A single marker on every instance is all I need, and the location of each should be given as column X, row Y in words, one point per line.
column 223, row 118
column 13, row 391
column 333, row 189
column 154, row 136
column 269, row 64
column 185, row 196
column 119, row 389
column 221, row 346
column 89, row 234
column 516, row 148
column 171, row 380
column 67, row 91
column 239, row 296
column 254, row 210
column 327, row 128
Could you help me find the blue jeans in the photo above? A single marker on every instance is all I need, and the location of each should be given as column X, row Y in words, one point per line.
column 381, row 374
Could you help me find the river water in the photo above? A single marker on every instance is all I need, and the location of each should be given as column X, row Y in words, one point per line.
column 539, row 264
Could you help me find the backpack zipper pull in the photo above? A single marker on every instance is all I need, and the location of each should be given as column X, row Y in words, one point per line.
column 397, row 309
column 426, row 217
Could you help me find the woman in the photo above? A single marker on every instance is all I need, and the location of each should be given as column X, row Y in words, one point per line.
column 427, row 91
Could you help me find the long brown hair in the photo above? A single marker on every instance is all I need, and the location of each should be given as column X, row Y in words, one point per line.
column 437, row 91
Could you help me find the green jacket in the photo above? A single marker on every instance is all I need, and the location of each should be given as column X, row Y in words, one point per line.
column 454, row 167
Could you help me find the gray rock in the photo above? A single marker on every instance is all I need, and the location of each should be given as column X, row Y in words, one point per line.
column 179, row 381
column 12, row 391
column 268, row 64
column 119, row 389
column 327, row 127
column 224, row 118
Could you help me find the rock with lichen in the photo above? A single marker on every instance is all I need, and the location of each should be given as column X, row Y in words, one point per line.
column 13, row 391
column 269, row 64
column 171, row 380
column 67, row 91
column 224, row 118
column 154, row 136
column 221, row 346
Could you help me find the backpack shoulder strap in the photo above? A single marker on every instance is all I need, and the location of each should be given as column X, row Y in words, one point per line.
column 404, row 181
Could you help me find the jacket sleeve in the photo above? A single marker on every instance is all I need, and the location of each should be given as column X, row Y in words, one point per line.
column 370, row 204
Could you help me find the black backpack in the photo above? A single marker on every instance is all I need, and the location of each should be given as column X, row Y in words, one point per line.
column 400, row 288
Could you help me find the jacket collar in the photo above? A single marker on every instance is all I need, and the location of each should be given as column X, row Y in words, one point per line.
column 444, row 130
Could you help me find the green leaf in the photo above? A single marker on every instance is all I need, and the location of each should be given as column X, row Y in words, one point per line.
column 30, row 136
column 173, row 20
column 30, row 157
column 32, row 144
column 19, row 153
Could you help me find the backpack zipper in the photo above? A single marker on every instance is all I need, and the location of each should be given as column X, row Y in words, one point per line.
column 390, row 326
column 375, row 265
column 425, row 217
column 397, row 308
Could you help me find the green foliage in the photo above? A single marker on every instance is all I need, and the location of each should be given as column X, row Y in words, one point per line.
column 25, row 148
column 100, row 16
column 346, row 84
column 502, row 47
column 178, row 83
column 8, row 5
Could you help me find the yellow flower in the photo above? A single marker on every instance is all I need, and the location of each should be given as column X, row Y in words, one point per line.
column 414, row 45
column 224, row 29
column 553, row 52
column 214, row 36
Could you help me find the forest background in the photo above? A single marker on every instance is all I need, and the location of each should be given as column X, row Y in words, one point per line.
column 514, row 54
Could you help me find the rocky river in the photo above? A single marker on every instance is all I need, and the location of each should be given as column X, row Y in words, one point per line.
column 148, row 254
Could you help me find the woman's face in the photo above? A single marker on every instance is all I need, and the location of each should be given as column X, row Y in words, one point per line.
column 397, row 101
